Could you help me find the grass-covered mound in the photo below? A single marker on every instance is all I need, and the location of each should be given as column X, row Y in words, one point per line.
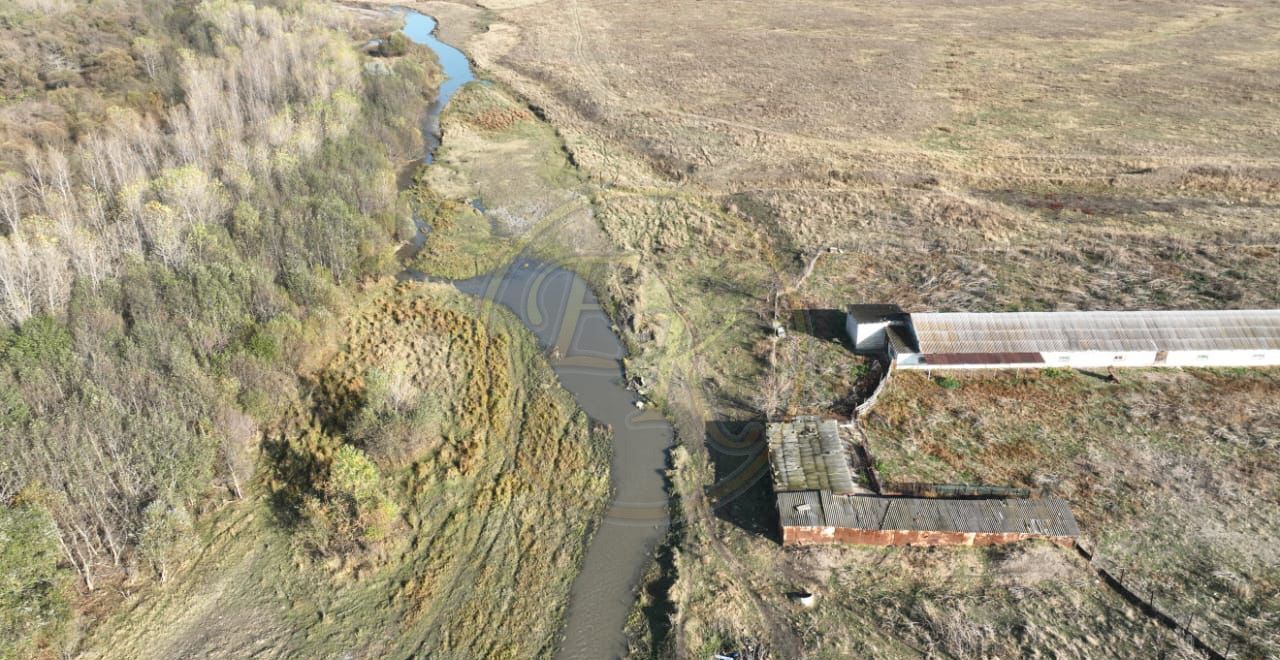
column 437, row 501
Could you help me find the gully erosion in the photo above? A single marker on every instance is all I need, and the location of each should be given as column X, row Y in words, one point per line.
column 568, row 321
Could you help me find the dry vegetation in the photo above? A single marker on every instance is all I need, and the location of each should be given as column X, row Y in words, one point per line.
column 221, row 434
column 990, row 156
column 993, row 156
column 1171, row 474
column 188, row 191
column 478, row 447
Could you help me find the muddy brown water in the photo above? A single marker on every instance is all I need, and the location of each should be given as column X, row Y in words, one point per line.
column 586, row 355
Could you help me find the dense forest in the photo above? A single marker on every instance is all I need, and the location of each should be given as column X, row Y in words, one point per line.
column 187, row 190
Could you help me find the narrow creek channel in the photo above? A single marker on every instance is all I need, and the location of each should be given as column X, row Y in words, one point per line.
column 421, row 29
column 586, row 355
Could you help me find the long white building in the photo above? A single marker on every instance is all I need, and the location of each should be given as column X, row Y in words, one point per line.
column 1234, row 338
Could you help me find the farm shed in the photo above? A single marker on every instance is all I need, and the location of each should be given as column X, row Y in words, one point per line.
column 822, row 517
column 1229, row 338
column 820, row 500
column 810, row 453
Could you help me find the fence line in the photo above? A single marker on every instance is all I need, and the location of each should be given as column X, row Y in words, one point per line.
column 1148, row 606
column 862, row 408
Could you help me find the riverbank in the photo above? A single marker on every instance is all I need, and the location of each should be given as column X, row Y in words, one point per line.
column 499, row 476
column 502, row 187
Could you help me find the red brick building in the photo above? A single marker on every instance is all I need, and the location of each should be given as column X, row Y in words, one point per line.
column 822, row 499
column 821, row 517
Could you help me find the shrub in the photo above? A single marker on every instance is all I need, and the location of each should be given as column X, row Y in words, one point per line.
column 947, row 382
column 350, row 510
column 164, row 535
column 33, row 607
column 39, row 343
column 394, row 44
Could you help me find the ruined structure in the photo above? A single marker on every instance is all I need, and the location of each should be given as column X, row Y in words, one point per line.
column 819, row 516
column 822, row 499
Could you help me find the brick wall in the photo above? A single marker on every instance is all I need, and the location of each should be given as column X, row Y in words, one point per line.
column 844, row 535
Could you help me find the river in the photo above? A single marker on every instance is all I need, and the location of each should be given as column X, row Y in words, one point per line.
column 586, row 354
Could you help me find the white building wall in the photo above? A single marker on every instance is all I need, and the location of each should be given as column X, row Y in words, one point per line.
column 914, row 361
column 867, row 337
column 1254, row 358
column 907, row 361
column 1098, row 359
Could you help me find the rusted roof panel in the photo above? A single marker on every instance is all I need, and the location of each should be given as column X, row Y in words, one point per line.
column 961, row 359
column 1054, row 332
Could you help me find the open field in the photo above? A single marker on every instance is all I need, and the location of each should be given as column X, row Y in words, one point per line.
column 988, row 156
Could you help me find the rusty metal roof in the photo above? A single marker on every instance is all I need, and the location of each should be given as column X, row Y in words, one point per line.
column 1049, row 516
column 807, row 453
column 1036, row 332
column 961, row 359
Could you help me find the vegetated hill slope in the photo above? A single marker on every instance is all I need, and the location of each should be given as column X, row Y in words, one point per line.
column 494, row 471
column 191, row 194
column 186, row 188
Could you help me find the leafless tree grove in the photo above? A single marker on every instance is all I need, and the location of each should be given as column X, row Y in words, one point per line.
column 255, row 110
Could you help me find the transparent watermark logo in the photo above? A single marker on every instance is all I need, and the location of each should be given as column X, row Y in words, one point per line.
column 587, row 350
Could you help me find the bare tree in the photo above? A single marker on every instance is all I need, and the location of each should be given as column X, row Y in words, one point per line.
column 17, row 279
column 53, row 274
column 10, row 211
column 241, row 432
column 149, row 55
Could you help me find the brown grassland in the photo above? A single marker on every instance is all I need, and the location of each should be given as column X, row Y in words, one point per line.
column 942, row 156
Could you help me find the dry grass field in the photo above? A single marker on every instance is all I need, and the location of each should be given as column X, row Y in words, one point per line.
column 746, row 161
column 1171, row 474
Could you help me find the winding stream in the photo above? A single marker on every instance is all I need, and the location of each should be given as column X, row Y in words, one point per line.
column 586, row 355
column 420, row 29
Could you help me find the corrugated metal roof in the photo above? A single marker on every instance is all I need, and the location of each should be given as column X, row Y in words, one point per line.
column 801, row 509
column 807, row 453
column 898, row 340
column 1036, row 332
column 1049, row 516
